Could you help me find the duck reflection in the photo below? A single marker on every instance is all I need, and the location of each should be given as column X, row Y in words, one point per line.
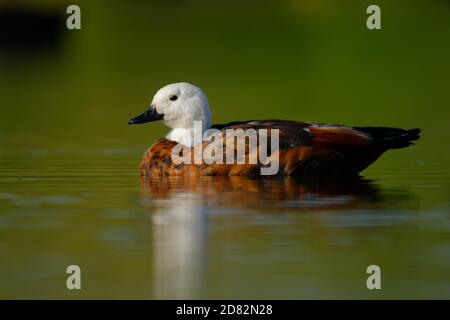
column 180, row 217
column 261, row 194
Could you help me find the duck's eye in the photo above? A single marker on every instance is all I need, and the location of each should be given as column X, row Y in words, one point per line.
column 173, row 98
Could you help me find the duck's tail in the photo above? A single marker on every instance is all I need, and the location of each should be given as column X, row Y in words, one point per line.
column 391, row 138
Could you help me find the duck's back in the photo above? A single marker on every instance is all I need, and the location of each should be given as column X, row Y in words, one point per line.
column 305, row 149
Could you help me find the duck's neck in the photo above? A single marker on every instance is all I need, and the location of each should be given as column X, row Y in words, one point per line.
column 189, row 137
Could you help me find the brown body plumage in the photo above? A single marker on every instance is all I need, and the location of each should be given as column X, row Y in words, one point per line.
column 305, row 150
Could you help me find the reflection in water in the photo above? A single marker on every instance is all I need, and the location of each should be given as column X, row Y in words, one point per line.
column 180, row 221
column 258, row 194
column 179, row 237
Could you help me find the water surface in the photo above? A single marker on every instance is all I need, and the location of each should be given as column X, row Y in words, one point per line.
column 216, row 237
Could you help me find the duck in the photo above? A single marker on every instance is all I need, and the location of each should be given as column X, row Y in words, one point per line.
column 303, row 149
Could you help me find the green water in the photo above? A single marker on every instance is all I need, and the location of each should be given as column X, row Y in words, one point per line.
column 69, row 181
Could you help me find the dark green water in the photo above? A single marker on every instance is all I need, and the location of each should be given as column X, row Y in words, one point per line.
column 69, row 182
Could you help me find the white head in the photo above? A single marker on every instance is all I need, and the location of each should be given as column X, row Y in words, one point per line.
column 178, row 105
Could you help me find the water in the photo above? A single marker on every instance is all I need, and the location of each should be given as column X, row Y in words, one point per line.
column 216, row 237
column 70, row 191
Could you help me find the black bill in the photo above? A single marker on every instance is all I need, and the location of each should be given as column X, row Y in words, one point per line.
column 147, row 116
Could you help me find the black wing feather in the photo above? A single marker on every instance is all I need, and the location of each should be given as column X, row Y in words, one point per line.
column 292, row 133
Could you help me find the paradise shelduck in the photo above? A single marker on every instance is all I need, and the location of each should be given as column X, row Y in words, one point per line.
column 303, row 149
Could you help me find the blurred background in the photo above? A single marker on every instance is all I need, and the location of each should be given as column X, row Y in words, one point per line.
column 69, row 184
